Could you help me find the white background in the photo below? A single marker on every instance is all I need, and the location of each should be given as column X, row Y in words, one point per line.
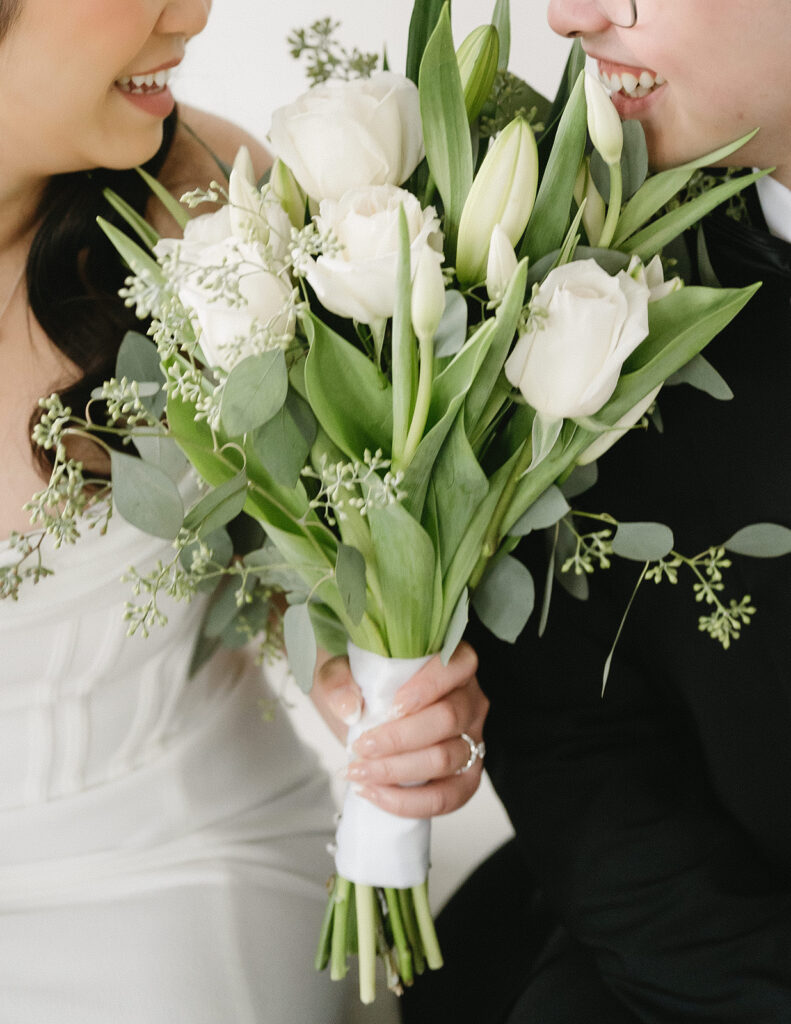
column 240, row 66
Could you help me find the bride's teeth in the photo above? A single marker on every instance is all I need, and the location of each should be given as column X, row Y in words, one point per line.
column 646, row 79
column 151, row 82
column 628, row 82
column 660, row 79
column 615, row 83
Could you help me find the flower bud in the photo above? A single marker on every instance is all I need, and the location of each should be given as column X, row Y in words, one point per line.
column 244, row 196
column 595, row 211
column 288, row 193
column 428, row 294
column 501, row 266
column 604, row 124
column 503, row 193
column 477, row 57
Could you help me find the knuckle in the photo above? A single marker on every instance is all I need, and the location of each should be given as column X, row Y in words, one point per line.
column 441, row 761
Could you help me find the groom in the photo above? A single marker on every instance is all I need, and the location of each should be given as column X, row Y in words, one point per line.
column 650, row 877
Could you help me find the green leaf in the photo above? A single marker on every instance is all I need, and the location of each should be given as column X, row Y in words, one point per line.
column 550, row 508
column 634, row 163
column 171, row 204
column 254, row 392
column 144, row 231
column 452, row 331
column 301, row 648
column 446, row 130
column 456, row 628
column 350, row 576
column 352, row 400
column 138, row 360
column 162, row 452
column 146, row 497
column 218, row 507
column 136, row 258
column 425, row 15
column 501, row 19
column 219, row 544
column 642, row 542
column 284, row 442
column 223, row 609
column 405, row 561
column 660, row 188
column 404, row 361
column 581, row 479
column 330, row 634
column 655, row 237
column 761, row 540
column 505, row 598
column 549, row 220
column 700, row 374
column 460, row 486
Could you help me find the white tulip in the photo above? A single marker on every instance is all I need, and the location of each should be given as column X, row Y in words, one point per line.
column 359, row 280
column 604, row 124
column 428, row 295
column 501, row 266
column 583, row 325
column 345, row 135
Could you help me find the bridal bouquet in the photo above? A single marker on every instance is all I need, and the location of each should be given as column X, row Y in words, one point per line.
column 390, row 356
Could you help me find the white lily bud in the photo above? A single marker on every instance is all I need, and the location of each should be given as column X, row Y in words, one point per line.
column 290, row 196
column 595, row 211
column 501, row 266
column 503, row 193
column 245, row 198
column 477, row 57
column 604, row 124
column 428, row 294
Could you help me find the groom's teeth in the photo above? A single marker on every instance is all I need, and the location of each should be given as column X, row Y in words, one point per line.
column 630, row 84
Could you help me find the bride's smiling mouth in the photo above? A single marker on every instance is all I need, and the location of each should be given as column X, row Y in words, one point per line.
column 149, row 90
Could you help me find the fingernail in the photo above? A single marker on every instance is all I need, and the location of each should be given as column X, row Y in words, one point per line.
column 364, row 792
column 357, row 771
column 348, row 707
column 366, row 746
column 404, row 706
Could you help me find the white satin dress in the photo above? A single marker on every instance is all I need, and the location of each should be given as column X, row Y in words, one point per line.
column 162, row 846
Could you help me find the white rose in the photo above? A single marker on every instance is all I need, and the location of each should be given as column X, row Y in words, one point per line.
column 359, row 281
column 228, row 332
column 583, row 325
column 343, row 135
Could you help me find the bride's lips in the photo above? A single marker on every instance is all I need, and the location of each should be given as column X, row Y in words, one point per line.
column 148, row 90
column 632, row 89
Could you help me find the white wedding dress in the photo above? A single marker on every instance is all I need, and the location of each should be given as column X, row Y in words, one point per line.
column 162, row 844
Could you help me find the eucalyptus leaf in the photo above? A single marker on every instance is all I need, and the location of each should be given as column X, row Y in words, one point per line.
column 575, row 584
column 145, row 496
column 220, row 548
column 218, row 507
column 283, row 443
column 700, row 374
column 162, row 452
column 224, row 608
column 350, row 576
column 761, row 540
column 456, row 627
column 250, row 621
column 581, row 479
column 301, row 648
column 643, row 542
column 330, row 634
column 452, row 331
column 505, row 598
column 254, row 392
column 272, row 569
column 550, row 508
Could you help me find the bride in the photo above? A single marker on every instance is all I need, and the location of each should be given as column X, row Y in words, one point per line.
column 162, row 847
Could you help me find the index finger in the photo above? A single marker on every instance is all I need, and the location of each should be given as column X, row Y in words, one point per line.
column 435, row 680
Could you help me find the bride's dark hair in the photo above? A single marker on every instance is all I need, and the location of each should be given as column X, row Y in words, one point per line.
column 73, row 273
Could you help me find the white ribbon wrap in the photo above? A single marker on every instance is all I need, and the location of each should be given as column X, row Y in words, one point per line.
column 373, row 846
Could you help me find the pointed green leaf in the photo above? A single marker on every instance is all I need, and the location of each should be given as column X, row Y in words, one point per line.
column 145, row 496
column 456, row 628
column 404, row 348
column 452, row 331
column 301, row 648
column 350, row 576
column 501, row 19
column 460, row 486
column 171, row 204
column 425, row 15
column 634, row 163
column 144, row 231
column 218, row 507
column 135, row 257
column 700, row 374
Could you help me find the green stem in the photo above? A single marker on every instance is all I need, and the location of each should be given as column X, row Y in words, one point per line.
column 409, row 918
column 422, row 402
column 399, row 937
column 491, row 541
column 325, row 935
column 431, row 189
column 428, row 934
column 366, row 941
column 614, row 209
column 338, row 959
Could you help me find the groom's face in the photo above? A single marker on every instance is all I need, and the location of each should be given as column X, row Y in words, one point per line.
column 713, row 71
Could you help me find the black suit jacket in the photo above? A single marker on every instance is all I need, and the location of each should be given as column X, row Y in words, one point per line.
column 657, row 819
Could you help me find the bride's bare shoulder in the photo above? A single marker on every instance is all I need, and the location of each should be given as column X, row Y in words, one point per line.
column 200, row 137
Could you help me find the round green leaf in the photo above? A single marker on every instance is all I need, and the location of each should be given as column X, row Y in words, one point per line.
column 761, row 540
column 643, row 542
column 300, row 645
column 546, row 511
column 452, row 331
column 255, row 390
column 146, row 497
column 218, row 507
column 504, row 598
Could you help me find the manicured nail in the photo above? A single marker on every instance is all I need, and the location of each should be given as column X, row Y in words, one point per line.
column 365, row 793
column 404, row 706
column 348, row 707
column 366, row 746
column 357, row 771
